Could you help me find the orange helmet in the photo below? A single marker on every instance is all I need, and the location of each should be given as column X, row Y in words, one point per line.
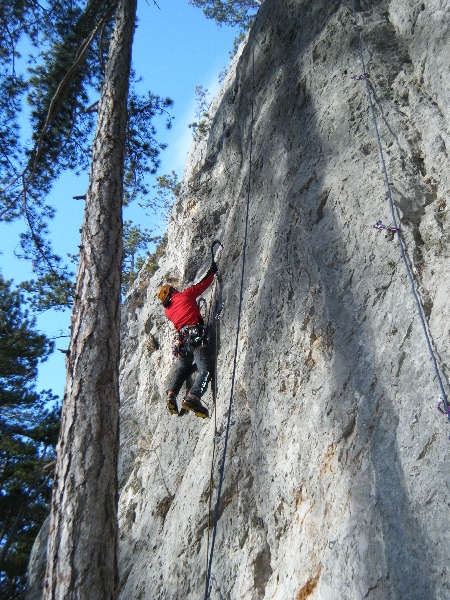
column 164, row 293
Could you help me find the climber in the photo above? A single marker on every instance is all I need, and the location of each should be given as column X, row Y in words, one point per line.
column 182, row 310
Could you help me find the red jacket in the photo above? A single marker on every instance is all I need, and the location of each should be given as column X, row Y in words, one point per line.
column 183, row 309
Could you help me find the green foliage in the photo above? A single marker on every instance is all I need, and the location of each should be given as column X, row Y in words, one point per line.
column 229, row 12
column 236, row 43
column 61, row 71
column 59, row 92
column 142, row 149
column 71, row 39
column 135, row 242
column 152, row 261
column 223, row 73
column 202, row 126
column 235, row 13
column 168, row 188
column 27, row 451
column 21, row 349
column 17, row 20
column 29, row 425
column 149, row 261
column 50, row 291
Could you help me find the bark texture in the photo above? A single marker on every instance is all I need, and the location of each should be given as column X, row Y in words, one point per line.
column 82, row 554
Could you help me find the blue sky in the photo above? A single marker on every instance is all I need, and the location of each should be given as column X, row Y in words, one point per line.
column 175, row 49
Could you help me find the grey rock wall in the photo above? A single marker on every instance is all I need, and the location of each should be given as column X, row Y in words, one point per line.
column 37, row 564
column 336, row 477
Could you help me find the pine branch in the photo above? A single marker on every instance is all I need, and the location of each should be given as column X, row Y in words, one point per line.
column 54, row 105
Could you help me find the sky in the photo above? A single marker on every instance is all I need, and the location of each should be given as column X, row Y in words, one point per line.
column 175, row 48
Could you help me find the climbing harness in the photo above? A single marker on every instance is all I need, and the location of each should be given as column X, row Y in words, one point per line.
column 379, row 225
column 443, row 397
column 238, row 327
column 193, row 335
column 359, row 77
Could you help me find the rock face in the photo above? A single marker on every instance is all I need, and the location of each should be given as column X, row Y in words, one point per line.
column 37, row 564
column 336, row 480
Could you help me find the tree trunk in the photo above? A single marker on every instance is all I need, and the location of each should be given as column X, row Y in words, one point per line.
column 82, row 549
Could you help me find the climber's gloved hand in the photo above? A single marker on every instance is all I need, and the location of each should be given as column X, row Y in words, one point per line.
column 212, row 269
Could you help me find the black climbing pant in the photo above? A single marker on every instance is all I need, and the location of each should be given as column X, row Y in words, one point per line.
column 192, row 358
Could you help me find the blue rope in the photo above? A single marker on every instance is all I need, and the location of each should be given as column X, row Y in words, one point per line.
column 241, row 294
column 408, row 270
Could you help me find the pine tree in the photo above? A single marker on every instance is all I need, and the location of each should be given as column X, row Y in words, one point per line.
column 235, row 13
column 229, row 12
column 82, row 559
column 71, row 43
column 21, row 349
column 82, row 550
column 63, row 69
column 29, row 424
column 135, row 241
column 203, row 124
column 73, row 59
column 169, row 189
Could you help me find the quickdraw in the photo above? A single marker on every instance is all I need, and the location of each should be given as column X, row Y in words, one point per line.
column 379, row 225
column 219, row 314
column 359, row 77
column 443, row 406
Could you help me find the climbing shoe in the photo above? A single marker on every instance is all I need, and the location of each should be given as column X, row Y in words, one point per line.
column 172, row 403
column 193, row 403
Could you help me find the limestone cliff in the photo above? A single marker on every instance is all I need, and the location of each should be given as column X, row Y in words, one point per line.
column 336, row 479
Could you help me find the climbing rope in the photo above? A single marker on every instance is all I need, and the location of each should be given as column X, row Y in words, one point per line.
column 395, row 228
column 214, row 395
column 238, row 328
